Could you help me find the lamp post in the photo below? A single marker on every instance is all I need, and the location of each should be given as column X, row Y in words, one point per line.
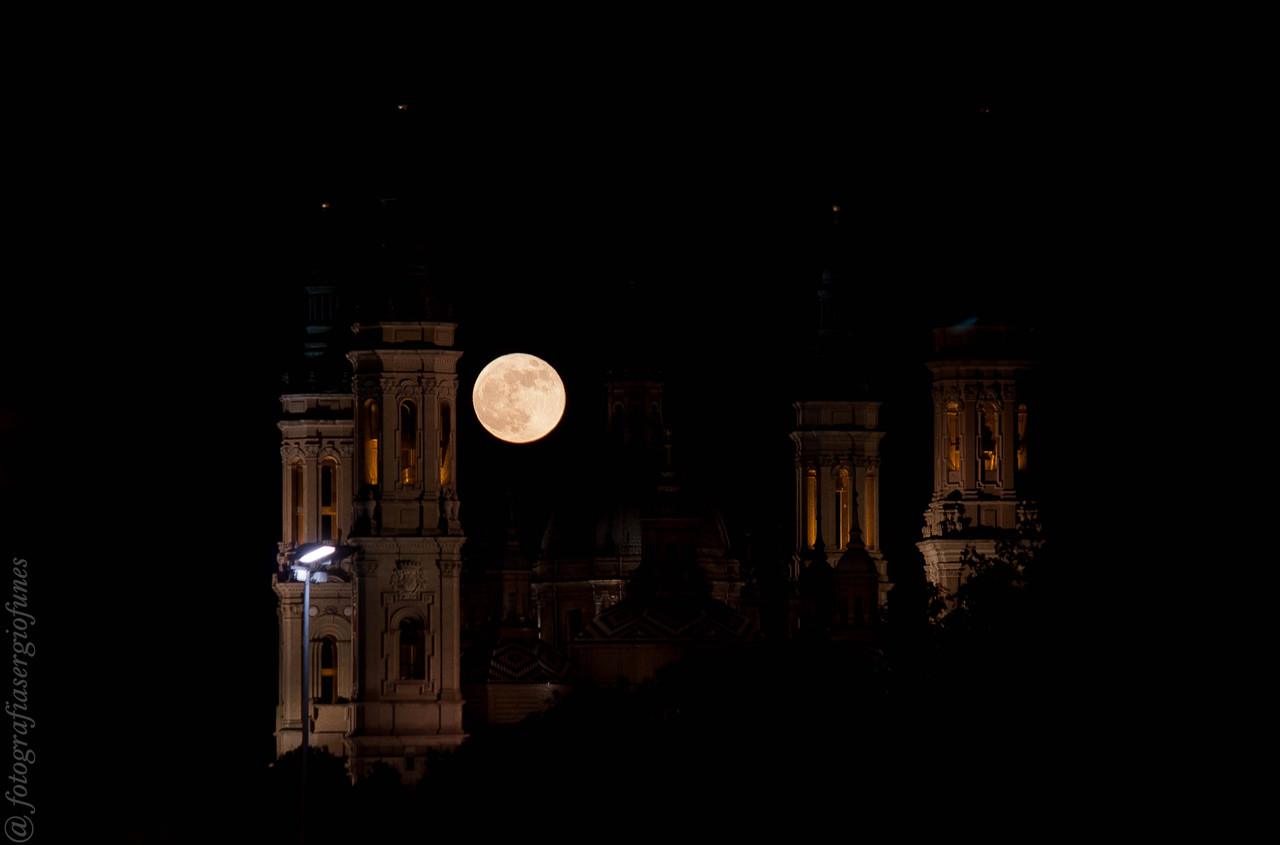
column 309, row 564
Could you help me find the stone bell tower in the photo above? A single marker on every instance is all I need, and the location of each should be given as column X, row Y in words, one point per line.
column 982, row 411
column 369, row 459
column 837, row 478
column 317, row 462
column 406, row 527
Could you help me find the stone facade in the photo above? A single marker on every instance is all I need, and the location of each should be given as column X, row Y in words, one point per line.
column 982, row 410
column 837, row 478
column 374, row 469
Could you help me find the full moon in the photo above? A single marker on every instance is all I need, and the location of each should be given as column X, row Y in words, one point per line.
column 518, row 398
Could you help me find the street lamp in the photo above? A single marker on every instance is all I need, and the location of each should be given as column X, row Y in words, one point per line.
column 310, row 563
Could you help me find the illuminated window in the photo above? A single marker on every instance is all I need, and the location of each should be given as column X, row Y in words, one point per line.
column 869, row 508
column 446, row 441
column 297, row 515
column 413, row 650
column 1022, row 437
column 843, row 497
column 953, row 435
column 990, row 441
column 408, row 442
column 328, row 499
column 328, row 671
column 369, row 426
column 811, row 506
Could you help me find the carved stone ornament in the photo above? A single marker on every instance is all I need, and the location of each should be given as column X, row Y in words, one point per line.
column 407, row 580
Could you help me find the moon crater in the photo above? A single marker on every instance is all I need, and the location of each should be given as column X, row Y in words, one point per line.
column 518, row 398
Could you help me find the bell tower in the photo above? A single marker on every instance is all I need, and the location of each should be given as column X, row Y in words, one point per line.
column 369, row 463
column 316, row 457
column 405, row 524
column 837, row 484
column 982, row 411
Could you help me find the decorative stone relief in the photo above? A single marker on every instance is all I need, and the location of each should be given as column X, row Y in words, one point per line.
column 408, row 580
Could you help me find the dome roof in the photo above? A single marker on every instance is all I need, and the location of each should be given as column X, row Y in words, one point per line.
column 613, row 526
column 668, row 621
column 527, row 661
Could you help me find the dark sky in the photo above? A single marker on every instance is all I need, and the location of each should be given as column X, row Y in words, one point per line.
column 684, row 225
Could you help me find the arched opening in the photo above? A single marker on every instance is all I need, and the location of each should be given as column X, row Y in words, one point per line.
column 953, row 436
column 369, row 427
column 843, row 498
column 328, row 671
column 446, row 442
column 297, row 512
column 1022, row 437
column 811, row 507
column 413, row 650
column 870, row 537
column 408, row 442
column 989, row 440
column 328, row 499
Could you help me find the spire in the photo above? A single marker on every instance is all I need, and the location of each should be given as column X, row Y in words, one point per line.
column 513, row 556
column 321, row 367
column 855, row 554
column 839, row 320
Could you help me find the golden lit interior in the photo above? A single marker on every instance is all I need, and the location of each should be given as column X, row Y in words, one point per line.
column 370, row 442
column 328, row 499
column 953, row 435
column 446, row 441
column 990, row 444
column 811, row 505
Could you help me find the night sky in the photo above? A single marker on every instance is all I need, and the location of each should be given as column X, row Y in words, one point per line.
column 686, row 234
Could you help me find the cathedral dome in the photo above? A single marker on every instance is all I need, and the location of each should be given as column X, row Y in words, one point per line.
column 615, row 527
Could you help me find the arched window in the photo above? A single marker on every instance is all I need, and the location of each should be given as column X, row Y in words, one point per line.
column 297, row 515
column 413, row 650
column 869, row 508
column 990, row 442
column 953, row 435
column 843, row 497
column 446, row 441
column 328, row 499
column 369, row 429
column 408, row 442
column 811, row 506
column 328, row 671
column 1022, row 437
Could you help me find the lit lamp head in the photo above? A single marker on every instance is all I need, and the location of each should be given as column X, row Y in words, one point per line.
column 312, row 560
column 319, row 553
